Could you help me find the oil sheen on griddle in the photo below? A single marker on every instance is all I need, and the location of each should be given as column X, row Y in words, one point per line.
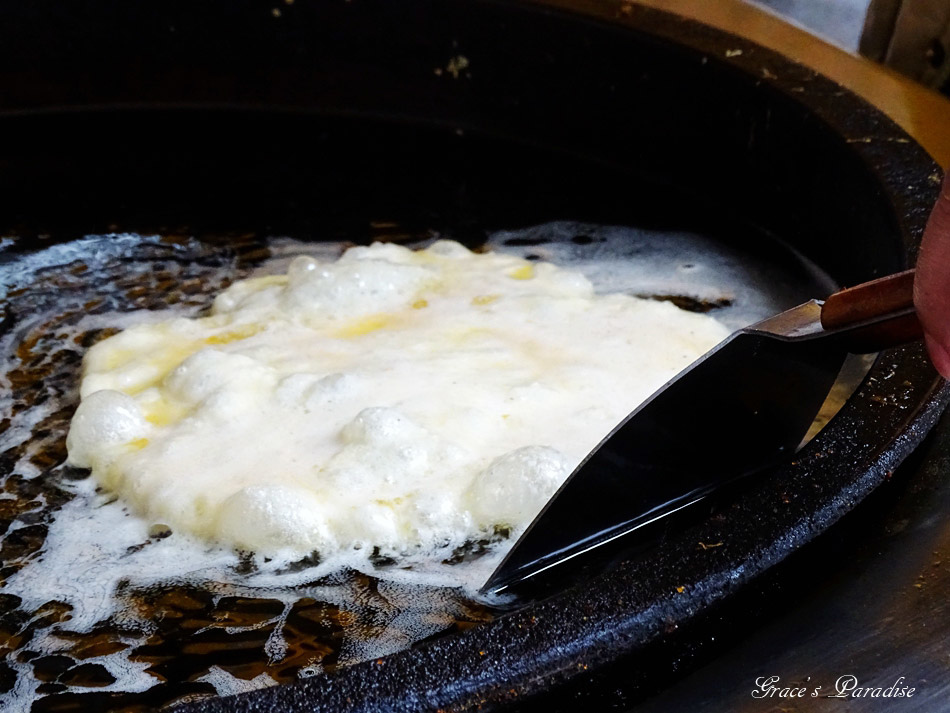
column 97, row 609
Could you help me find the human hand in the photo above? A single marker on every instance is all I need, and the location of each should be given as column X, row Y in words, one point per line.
column 932, row 282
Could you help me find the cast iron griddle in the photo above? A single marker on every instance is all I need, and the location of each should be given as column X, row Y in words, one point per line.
column 867, row 599
column 232, row 115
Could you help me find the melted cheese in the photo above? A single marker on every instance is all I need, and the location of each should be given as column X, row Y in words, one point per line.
column 392, row 399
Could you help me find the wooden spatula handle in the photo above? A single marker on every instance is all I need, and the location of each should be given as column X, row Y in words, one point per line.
column 884, row 303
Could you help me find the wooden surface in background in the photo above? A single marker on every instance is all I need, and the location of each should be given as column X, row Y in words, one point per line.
column 921, row 112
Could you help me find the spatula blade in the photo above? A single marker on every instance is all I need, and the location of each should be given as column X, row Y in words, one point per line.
column 737, row 410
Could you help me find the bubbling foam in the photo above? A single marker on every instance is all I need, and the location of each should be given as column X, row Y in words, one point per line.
column 394, row 400
column 110, row 609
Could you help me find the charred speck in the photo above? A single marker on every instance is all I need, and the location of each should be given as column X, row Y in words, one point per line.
column 132, row 549
column 245, row 563
column 380, row 560
column 311, row 560
column 476, row 548
column 690, row 304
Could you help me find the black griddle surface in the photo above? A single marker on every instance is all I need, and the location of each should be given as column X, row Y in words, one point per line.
column 868, row 599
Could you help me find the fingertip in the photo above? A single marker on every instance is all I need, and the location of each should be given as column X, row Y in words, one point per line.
column 939, row 355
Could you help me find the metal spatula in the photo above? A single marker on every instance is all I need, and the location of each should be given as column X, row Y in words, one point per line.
column 737, row 410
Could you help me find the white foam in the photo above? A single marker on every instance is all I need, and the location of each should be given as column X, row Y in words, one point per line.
column 227, row 685
column 94, row 544
column 395, row 400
